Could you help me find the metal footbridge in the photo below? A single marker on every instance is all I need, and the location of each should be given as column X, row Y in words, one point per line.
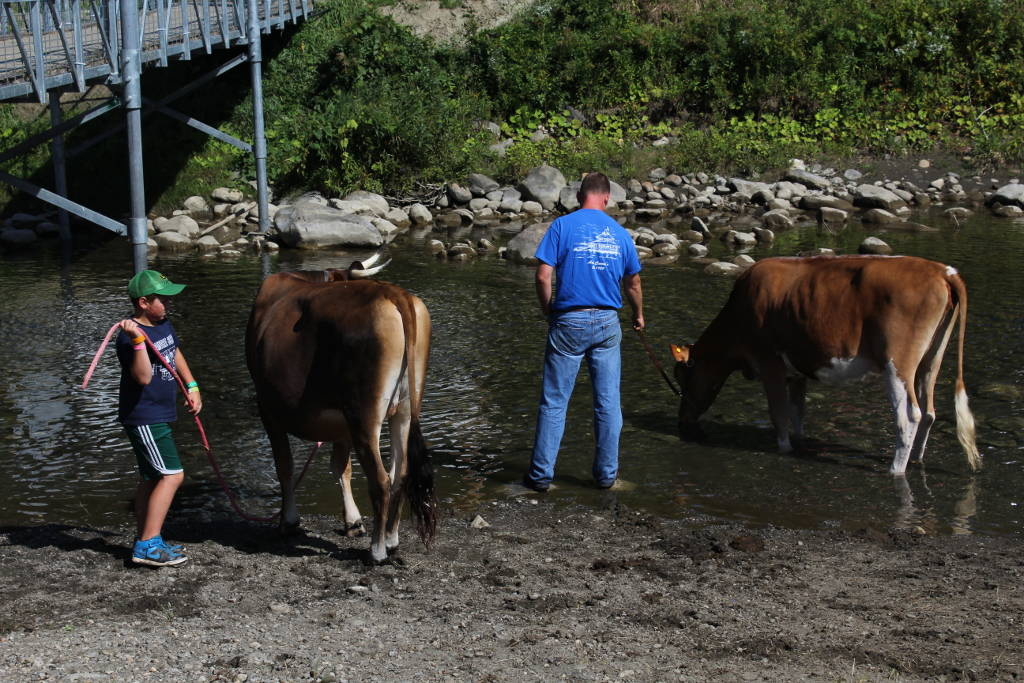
column 51, row 46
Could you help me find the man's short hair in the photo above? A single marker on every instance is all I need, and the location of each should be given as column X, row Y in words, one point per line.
column 594, row 183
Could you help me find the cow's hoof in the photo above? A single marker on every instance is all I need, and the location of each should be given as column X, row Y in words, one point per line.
column 691, row 432
column 374, row 560
column 288, row 529
column 354, row 530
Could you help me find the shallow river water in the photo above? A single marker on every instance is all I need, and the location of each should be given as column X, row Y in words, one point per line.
column 63, row 457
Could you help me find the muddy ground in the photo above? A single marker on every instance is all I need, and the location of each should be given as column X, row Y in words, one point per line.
column 542, row 593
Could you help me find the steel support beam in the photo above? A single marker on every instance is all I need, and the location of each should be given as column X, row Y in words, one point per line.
column 180, row 92
column 132, row 71
column 64, row 203
column 40, row 138
column 197, row 124
column 259, row 134
column 60, row 174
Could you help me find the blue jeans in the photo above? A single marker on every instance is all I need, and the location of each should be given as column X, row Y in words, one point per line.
column 595, row 334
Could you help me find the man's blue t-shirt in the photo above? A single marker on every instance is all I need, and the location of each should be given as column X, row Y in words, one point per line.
column 590, row 253
column 154, row 402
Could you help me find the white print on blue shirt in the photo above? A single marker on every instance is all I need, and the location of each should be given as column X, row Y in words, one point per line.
column 160, row 345
column 598, row 251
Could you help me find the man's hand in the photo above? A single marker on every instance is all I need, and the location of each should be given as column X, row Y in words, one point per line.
column 638, row 323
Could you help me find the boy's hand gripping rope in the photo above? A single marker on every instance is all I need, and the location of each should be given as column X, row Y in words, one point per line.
column 232, row 498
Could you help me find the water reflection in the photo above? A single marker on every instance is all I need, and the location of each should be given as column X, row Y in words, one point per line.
column 64, row 458
column 924, row 512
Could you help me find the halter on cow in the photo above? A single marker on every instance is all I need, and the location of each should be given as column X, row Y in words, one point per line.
column 332, row 357
column 835, row 319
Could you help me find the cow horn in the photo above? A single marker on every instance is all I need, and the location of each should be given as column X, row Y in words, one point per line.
column 369, row 260
column 366, row 272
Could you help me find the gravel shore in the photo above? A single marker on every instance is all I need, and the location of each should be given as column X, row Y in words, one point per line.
column 541, row 593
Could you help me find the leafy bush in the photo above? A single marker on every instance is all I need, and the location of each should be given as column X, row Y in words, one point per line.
column 354, row 100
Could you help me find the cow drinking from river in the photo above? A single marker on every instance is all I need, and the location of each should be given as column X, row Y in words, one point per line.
column 833, row 319
column 332, row 357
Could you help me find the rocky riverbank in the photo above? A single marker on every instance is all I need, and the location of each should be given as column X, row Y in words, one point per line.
column 523, row 590
column 670, row 215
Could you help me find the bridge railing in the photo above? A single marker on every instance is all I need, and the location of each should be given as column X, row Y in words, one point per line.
column 46, row 44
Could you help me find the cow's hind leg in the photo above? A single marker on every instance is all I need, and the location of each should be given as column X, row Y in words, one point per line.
column 907, row 412
column 927, row 374
column 773, row 376
column 796, row 388
column 285, row 466
column 367, row 443
column 399, row 422
column 341, row 463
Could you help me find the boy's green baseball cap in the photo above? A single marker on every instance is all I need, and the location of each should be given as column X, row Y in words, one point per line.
column 149, row 282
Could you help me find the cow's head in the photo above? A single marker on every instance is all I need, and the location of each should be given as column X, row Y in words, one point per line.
column 691, row 401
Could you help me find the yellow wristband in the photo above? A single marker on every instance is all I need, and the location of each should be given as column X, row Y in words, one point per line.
column 138, row 340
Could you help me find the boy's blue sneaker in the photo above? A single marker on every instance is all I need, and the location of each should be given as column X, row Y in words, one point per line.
column 155, row 553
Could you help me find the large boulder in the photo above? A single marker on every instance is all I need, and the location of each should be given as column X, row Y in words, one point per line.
column 18, row 236
column 543, row 185
column 1008, row 211
column 877, row 197
column 388, row 230
column 880, row 216
column 827, row 214
column 511, row 201
column 173, row 241
column 358, row 207
column 523, row 247
column 227, row 195
column 196, row 204
column 724, row 268
column 873, row 245
column 307, row 225
column 398, row 216
column 480, row 185
column 207, row 243
column 618, row 193
column 567, row 197
column 777, row 219
column 376, row 202
column 226, row 233
column 420, row 215
column 183, row 225
column 457, row 194
column 813, row 202
column 1012, row 194
column 748, row 187
column 796, row 175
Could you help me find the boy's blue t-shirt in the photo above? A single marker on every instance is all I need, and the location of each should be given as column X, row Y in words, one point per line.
column 154, row 402
column 590, row 253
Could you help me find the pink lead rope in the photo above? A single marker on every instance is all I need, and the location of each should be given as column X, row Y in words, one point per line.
column 232, row 498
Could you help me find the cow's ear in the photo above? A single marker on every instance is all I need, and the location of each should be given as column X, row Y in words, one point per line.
column 680, row 353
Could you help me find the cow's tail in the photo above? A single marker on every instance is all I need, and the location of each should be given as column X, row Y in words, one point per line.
column 965, row 430
column 419, row 485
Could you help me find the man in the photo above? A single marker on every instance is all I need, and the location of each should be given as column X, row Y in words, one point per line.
column 592, row 257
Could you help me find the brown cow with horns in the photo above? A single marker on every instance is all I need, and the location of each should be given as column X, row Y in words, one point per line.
column 834, row 319
column 332, row 357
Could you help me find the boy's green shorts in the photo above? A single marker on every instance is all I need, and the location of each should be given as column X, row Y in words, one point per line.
column 154, row 449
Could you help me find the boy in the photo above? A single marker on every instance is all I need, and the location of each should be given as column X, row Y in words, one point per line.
column 146, row 407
